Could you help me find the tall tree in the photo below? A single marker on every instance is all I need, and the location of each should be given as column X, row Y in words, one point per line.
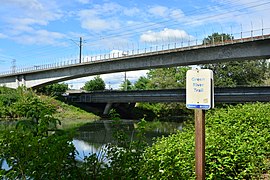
column 217, row 38
column 95, row 84
column 167, row 78
column 141, row 83
column 126, row 85
column 54, row 89
column 235, row 73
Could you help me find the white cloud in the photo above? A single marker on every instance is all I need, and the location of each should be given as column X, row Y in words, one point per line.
column 231, row 13
column 32, row 4
column 29, row 24
column 84, row 1
column 2, row 36
column 40, row 37
column 176, row 14
column 108, row 16
column 159, row 11
column 46, row 11
column 131, row 11
column 166, row 12
column 92, row 21
column 164, row 35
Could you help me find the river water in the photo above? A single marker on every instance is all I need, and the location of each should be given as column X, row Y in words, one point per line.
column 92, row 137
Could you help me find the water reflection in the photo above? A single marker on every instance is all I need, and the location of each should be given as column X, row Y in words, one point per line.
column 84, row 149
column 5, row 165
column 92, row 137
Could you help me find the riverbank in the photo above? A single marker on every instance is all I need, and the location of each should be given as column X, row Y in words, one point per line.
column 25, row 104
column 72, row 117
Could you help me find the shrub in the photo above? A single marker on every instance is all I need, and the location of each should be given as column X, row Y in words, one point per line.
column 237, row 147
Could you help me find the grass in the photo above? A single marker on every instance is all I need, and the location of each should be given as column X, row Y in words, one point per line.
column 71, row 116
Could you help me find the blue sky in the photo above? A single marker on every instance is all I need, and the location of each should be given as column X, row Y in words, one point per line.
column 35, row 32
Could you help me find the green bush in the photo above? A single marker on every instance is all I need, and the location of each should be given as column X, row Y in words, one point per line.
column 237, row 147
column 36, row 149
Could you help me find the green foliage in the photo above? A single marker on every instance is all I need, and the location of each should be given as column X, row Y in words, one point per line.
column 126, row 85
column 96, row 84
column 165, row 109
column 167, row 78
column 120, row 159
column 36, row 148
column 171, row 157
column 238, row 142
column 141, row 83
column 39, row 157
column 125, row 157
column 53, row 89
column 217, row 38
column 68, row 113
column 235, row 73
column 114, row 115
column 22, row 103
column 93, row 166
column 237, row 147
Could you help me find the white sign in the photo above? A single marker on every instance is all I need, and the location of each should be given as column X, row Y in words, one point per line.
column 199, row 89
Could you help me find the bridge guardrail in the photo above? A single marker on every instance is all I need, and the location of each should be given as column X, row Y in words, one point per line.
column 192, row 43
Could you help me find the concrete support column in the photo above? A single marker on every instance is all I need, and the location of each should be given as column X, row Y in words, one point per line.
column 23, row 81
column 107, row 108
column 17, row 81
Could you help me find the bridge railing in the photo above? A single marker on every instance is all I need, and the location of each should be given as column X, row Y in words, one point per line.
column 154, row 48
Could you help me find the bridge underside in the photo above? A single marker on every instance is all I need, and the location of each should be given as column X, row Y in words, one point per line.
column 257, row 49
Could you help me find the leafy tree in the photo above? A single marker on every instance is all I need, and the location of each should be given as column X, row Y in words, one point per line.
column 234, row 73
column 96, row 84
column 141, row 83
column 53, row 89
column 217, row 38
column 167, row 78
column 31, row 151
column 126, row 85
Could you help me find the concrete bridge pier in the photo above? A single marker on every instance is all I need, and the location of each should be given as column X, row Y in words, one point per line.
column 23, row 81
column 20, row 81
column 107, row 109
column 17, row 81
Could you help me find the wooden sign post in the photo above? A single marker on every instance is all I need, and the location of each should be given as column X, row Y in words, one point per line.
column 200, row 97
column 200, row 144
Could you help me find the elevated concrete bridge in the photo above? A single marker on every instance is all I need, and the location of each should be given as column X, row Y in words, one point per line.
column 252, row 48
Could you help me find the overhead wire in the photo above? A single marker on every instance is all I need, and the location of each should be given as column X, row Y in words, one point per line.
column 140, row 29
column 143, row 26
column 51, row 49
column 204, row 18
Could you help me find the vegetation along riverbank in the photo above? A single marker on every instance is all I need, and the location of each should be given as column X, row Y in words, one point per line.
column 237, row 145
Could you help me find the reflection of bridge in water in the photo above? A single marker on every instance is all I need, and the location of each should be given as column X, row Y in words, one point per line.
column 101, row 132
